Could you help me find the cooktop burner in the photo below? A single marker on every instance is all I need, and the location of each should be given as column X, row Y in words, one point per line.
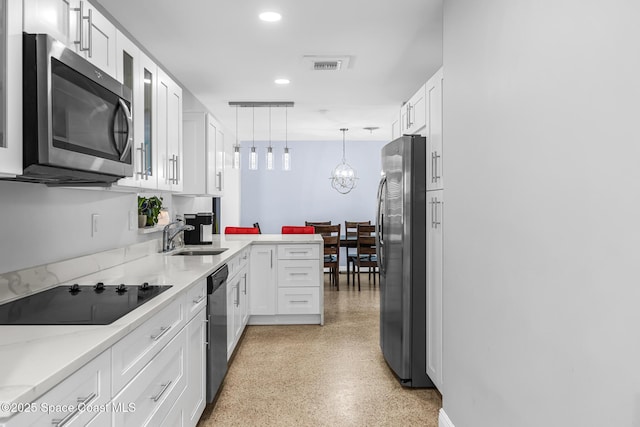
column 78, row 305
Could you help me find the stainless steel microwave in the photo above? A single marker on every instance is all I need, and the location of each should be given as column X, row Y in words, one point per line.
column 77, row 124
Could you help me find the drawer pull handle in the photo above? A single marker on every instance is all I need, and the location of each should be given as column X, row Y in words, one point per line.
column 298, row 252
column 299, row 301
column 199, row 300
column 293, row 273
column 164, row 388
column 81, row 402
column 163, row 330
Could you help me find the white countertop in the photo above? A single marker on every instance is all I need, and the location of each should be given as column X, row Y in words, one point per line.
column 36, row 358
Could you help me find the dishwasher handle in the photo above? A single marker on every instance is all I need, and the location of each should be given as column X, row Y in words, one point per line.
column 217, row 278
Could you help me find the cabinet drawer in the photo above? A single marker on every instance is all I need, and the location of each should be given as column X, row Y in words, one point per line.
column 298, row 251
column 155, row 389
column 298, row 300
column 233, row 265
column 90, row 385
column 131, row 353
column 243, row 258
column 196, row 299
column 298, row 273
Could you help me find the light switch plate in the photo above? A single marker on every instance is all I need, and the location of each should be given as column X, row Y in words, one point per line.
column 94, row 224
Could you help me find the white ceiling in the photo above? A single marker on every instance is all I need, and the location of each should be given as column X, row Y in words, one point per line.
column 220, row 51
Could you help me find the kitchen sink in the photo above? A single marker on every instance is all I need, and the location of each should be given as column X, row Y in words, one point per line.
column 201, row 252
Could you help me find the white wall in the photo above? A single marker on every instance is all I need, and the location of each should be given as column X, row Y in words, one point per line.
column 39, row 225
column 542, row 213
column 277, row 198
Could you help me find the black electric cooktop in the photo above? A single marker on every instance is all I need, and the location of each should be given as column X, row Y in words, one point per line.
column 78, row 305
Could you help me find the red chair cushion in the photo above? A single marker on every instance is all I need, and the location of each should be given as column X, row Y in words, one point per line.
column 298, row 229
column 241, row 230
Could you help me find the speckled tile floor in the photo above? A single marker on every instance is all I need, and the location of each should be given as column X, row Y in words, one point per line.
column 331, row 375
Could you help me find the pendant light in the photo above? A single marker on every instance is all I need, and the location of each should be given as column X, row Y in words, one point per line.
column 253, row 156
column 286, row 156
column 236, row 147
column 269, row 160
column 344, row 177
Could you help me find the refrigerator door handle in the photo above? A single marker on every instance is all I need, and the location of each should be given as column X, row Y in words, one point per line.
column 380, row 227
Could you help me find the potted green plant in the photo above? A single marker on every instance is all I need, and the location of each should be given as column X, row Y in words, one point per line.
column 149, row 207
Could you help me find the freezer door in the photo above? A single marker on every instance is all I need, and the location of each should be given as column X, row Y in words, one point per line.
column 394, row 318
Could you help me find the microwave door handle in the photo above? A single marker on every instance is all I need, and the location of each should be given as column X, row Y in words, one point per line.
column 127, row 115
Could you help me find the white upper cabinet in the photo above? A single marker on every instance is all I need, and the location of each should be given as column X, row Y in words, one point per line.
column 78, row 25
column 435, row 179
column 58, row 18
column 413, row 114
column 136, row 71
column 169, row 133
column 202, row 146
column 11, row 88
column 396, row 132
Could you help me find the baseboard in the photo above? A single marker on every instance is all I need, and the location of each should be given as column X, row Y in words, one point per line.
column 443, row 419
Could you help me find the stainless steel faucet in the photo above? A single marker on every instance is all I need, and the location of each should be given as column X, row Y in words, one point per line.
column 168, row 235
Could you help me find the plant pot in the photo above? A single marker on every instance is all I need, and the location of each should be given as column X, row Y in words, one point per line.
column 142, row 221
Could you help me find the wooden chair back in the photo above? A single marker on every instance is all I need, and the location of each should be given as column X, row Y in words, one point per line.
column 318, row 223
column 366, row 242
column 351, row 227
column 331, row 236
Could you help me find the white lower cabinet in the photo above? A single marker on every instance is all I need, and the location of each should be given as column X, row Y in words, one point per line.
column 134, row 351
column 263, row 273
column 195, row 395
column 90, row 386
column 156, row 387
column 300, row 300
column 286, row 284
column 237, row 302
column 435, row 205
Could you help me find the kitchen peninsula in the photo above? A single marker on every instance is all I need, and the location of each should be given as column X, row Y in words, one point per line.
column 50, row 364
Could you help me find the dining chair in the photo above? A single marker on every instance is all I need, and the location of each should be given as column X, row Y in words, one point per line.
column 331, row 236
column 241, row 230
column 298, row 229
column 316, row 223
column 350, row 242
column 366, row 255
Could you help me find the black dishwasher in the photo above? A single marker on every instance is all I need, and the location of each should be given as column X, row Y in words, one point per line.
column 217, row 333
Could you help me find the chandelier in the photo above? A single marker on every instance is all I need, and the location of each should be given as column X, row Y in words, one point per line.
column 343, row 178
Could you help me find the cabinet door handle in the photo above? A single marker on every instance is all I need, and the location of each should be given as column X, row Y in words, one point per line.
column 177, row 169
column 435, row 216
column 271, row 257
column 219, row 181
column 208, row 322
column 435, row 169
column 433, row 161
column 81, row 402
column 237, row 301
column 90, row 49
column 142, row 162
column 199, row 300
column 164, row 388
column 81, row 18
column 245, row 283
column 163, row 330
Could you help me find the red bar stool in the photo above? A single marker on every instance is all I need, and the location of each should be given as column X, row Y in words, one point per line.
column 241, row 230
column 298, row 229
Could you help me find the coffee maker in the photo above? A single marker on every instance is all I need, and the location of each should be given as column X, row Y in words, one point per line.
column 202, row 233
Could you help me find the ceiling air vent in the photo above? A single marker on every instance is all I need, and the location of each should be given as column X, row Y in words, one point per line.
column 327, row 63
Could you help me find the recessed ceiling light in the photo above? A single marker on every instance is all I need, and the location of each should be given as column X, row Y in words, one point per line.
column 282, row 81
column 270, row 16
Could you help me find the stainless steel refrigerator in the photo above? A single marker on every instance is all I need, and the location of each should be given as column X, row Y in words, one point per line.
column 401, row 246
